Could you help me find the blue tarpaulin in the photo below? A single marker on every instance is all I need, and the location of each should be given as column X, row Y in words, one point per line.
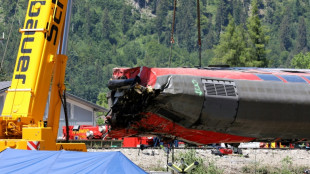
column 68, row 162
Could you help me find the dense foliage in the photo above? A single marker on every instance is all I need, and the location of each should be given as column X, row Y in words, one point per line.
column 112, row 33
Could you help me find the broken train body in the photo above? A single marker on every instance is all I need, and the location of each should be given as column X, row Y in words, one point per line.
column 211, row 105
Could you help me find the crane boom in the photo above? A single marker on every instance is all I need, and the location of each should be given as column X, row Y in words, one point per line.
column 38, row 62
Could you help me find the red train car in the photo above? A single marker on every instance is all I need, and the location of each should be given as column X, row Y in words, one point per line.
column 211, row 105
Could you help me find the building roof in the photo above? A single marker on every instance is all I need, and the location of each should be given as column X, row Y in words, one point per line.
column 6, row 84
column 87, row 103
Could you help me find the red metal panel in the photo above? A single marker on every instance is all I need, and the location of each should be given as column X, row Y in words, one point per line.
column 158, row 125
column 131, row 142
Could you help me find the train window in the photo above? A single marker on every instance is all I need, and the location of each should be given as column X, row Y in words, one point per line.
column 291, row 78
column 268, row 77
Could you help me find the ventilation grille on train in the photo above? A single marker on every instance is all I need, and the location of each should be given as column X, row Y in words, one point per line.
column 220, row 88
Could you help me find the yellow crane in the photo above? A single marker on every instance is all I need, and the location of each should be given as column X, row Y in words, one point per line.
column 39, row 62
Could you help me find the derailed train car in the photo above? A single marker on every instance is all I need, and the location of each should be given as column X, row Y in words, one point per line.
column 211, row 105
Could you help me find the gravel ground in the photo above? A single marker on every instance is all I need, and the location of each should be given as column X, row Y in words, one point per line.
column 155, row 159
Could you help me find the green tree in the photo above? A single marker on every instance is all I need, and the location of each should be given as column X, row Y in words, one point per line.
column 125, row 20
column 3, row 76
column 99, row 120
column 223, row 50
column 269, row 17
column 186, row 25
column 285, row 33
column 210, row 40
column 302, row 36
column 232, row 49
column 301, row 61
column 107, row 24
column 132, row 52
column 226, row 10
column 257, row 39
column 223, row 11
column 102, row 100
column 260, row 4
column 218, row 21
column 297, row 9
column 141, row 3
column 246, row 4
column 159, row 53
column 160, row 22
column 238, row 12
